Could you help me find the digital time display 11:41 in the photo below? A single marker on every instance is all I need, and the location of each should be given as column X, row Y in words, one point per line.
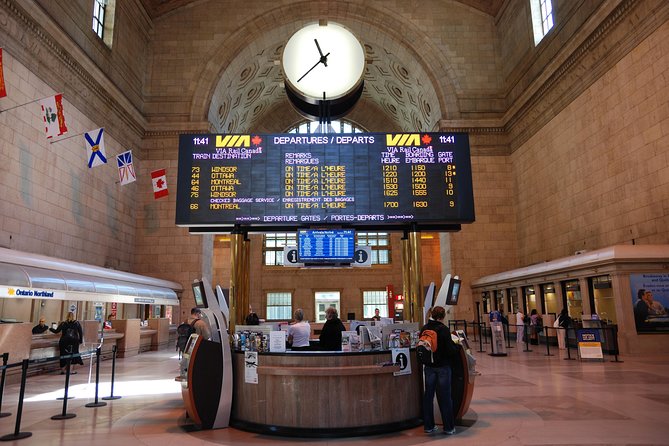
column 357, row 180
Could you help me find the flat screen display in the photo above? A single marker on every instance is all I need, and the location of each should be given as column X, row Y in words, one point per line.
column 453, row 292
column 349, row 180
column 198, row 294
column 325, row 245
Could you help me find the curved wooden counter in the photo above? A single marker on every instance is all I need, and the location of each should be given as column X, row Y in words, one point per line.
column 321, row 394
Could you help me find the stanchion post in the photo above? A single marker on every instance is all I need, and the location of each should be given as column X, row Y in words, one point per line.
column 17, row 435
column 480, row 338
column 508, row 332
column 548, row 350
column 97, row 381
column 64, row 415
column 5, row 357
column 566, row 343
column 527, row 338
column 614, row 330
column 111, row 395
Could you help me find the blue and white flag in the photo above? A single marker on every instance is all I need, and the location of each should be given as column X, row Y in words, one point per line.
column 95, row 147
column 126, row 171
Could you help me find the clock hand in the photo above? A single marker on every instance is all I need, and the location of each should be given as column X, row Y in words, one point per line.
column 322, row 60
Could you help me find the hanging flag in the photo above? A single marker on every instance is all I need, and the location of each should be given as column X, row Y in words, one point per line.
column 95, row 147
column 52, row 113
column 159, row 181
column 3, row 91
column 126, row 171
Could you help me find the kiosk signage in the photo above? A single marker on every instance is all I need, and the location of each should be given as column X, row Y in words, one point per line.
column 589, row 344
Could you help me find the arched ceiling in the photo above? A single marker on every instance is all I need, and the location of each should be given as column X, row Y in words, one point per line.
column 156, row 8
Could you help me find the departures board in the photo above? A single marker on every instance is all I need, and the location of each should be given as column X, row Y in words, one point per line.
column 350, row 180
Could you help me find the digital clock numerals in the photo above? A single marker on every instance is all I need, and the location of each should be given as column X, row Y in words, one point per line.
column 204, row 141
column 447, row 139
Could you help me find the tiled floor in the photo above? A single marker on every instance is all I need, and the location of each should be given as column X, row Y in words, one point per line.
column 521, row 399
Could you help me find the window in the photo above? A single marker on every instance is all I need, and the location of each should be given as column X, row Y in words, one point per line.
column 380, row 243
column 542, row 18
column 279, row 306
column 103, row 19
column 273, row 244
column 324, row 300
column 372, row 300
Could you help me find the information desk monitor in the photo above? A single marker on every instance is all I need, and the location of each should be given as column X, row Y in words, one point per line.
column 199, row 294
column 453, row 292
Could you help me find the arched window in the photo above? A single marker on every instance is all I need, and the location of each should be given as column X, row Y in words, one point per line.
column 338, row 126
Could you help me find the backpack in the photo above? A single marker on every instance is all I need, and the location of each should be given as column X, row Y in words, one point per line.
column 184, row 331
column 71, row 332
column 426, row 347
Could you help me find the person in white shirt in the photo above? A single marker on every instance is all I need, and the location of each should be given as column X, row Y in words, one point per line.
column 520, row 326
column 299, row 331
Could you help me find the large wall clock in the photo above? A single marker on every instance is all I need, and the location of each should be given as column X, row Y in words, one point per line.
column 323, row 62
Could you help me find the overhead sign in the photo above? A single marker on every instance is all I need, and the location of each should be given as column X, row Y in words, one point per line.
column 355, row 180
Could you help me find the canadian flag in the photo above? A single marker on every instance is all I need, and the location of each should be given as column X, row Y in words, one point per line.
column 52, row 113
column 159, row 181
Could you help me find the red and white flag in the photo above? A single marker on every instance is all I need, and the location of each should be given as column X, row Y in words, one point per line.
column 159, row 180
column 3, row 90
column 52, row 113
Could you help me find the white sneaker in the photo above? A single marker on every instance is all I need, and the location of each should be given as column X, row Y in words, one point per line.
column 451, row 432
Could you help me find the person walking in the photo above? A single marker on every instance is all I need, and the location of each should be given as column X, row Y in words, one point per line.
column 438, row 376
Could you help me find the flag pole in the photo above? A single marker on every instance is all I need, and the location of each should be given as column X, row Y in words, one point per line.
column 67, row 137
column 21, row 105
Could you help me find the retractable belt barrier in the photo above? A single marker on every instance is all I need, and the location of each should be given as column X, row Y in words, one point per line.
column 24, row 364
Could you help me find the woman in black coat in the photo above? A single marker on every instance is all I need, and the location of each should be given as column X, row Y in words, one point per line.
column 330, row 338
column 71, row 337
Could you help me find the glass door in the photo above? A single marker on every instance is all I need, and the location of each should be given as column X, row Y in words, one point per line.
column 324, row 300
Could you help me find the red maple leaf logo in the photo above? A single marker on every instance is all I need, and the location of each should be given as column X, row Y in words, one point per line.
column 160, row 184
column 426, row 139
column 256, row 140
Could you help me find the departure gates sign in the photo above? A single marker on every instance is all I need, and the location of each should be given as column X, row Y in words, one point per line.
column 357, row 180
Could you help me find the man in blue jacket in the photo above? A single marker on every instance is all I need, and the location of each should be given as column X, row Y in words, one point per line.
column 438, row 376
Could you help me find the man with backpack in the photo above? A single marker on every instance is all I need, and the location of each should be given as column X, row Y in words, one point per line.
column 195, row 324
column 437, row 371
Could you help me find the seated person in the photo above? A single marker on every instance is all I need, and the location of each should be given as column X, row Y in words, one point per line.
column 41, row 327
column 330, row 339
column 252, row 319
column 299, row 331
column 108, row 322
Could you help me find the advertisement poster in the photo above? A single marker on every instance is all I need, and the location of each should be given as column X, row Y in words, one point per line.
column 251, row 367
column 650, row 300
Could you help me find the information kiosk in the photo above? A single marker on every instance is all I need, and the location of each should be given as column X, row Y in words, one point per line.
column 206, row 366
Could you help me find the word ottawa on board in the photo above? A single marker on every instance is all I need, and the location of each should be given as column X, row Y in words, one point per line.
column 356, row 180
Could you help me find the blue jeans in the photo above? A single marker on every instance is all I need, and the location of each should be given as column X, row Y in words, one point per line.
column 438, row 379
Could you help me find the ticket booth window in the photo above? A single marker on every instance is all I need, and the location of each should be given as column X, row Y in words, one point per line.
column 550, row 298
column 499, row 300
column 485, row 297
column 530, row 299
column 572, row 291
column 514, row 303
column 604, row 300
column 373, row 300
column 324, row 300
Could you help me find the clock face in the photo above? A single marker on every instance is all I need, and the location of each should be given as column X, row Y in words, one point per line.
column 320, row 59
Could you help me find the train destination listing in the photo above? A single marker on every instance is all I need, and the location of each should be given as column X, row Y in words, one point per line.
column 358, row 179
